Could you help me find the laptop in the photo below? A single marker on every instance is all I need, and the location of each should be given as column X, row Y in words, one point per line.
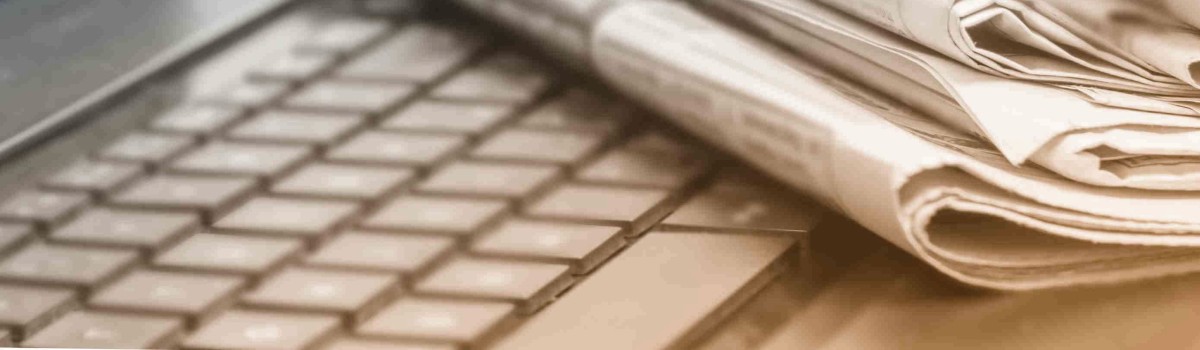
column 389, row 174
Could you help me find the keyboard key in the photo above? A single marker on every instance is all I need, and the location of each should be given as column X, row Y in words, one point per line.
column 582, row 246
column 394, row 253
column 740, row 201
column 94, row 176
column 437, row 319
column 197, row 119
column 42, row 206
column 681, row 280
column 556, row 147
column 212, row 194
column 344, row 35
column 242, row 159
column 175, row 293
column 396, row 148
column 511, row 181
column 97, row 330
column 639, row 208
column 419, row 52
column 238, row 329
column 364, row 344
column 434, row 214
column 13, row 236
column 354, row 295
column 65, row 266
column 291, row 217
column 147, row 147
column 505, row 77
column 229, row 254
column 580, row 109
column 28, row 309
column 624, row 167
column 298, row 127
column 127, row 228
column 249, row 94
column 359, row 97
column 292, row 67
column 343, row 181
column 532, row 284
column 443, row 116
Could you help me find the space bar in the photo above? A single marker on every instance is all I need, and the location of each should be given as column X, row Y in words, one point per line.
column 654, row 294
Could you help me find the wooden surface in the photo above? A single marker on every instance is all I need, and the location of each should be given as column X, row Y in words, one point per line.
column 890, row 300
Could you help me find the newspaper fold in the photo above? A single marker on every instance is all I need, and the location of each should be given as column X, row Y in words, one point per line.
column 943, row 195
column 1036, row 40
column 946, row 196
column 1148, row 33
column 1187, row 11
column 1027, row 121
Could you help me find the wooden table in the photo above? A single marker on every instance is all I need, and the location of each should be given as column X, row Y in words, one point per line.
column 890, row 300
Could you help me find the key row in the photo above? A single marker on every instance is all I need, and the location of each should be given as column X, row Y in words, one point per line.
column 190, row 190
column 472, row 277
column 341, row 297
column 632, row 208
column 92, row 267
column 131, row 228
column 406, row 318
column 271, row 160
column 505, row 78
column 489, row 176
column 575, row 110
column 621, row 207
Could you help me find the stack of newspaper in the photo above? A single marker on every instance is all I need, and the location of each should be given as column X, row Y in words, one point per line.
column 1011, row 144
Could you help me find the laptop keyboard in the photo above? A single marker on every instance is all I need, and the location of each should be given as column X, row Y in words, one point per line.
column 376, row 187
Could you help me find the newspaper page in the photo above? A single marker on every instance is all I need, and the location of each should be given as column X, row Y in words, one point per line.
column 1029, row 40
column 1027, row 121
column 1147, row 32
column 945, row 196
column 1187, row 11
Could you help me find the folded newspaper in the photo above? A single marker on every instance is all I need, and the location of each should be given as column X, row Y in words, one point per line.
column 947, row 197
column 1187, row 11
column 1028, row 122
column 1113, row 44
